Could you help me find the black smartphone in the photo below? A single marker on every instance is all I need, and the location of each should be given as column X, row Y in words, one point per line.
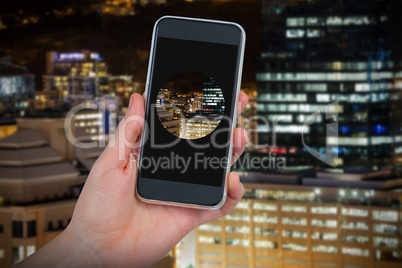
column 191, row 95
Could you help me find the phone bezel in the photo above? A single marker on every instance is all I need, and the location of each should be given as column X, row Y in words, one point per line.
column 188, row 194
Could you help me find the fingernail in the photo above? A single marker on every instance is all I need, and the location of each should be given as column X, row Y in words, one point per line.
column 129, row 104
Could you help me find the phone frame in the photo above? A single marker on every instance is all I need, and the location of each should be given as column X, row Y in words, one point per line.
column 239, row 70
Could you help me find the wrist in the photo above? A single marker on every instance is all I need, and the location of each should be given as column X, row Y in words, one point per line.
column 66, row 250
column 77, row 251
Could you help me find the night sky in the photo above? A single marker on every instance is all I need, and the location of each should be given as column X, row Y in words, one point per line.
column 123, row 41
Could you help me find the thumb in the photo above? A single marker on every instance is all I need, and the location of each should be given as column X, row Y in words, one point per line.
column 128, row 131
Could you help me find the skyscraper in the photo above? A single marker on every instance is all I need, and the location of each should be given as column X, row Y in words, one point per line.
column 17, row 90
column 37, row 195
column 76, row 76
column 168, row 121
column 213, row 101
column 315, row 53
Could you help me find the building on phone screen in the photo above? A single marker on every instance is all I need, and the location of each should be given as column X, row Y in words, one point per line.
column 168, row 121
column 213, row 101
column 198, row 126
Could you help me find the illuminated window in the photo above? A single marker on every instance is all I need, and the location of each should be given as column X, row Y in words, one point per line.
column 355, row 238
column 292, row 22
column 351, row 141
column 362, row 87
column 355, row 212
column 294, row 221
column 386, row 242
column 306, row 108
column 336, row 65
column 377, row 141
column 295, row 33
column 18, row 254
column 324, row 210
column 291, row 129
column 284, row 195
column 354, row 225
column 265, row 244
column 282, row 97
column 294, row 208
column 293, row 246
column 324, row 236
column 381, row 215
column 265, row 231
column 384, row 18
column 209, row 240
column 280, row 118
column 312, row 33
column 315, row 87
column 355, row 251
column 242, row 205
column 31, row 249
column 301, row 118
column 325, row 249
column 237, row 217
column 294, row 234
column 210, row 227
column 264, row 206
column 265, row 218
column 315, row 21
column 334, row 20
column 237, row 229
column 237, row 242
column 324, row 223
column 356, row 20
column 321, row 76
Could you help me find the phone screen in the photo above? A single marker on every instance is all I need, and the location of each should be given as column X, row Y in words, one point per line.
column 191, row 103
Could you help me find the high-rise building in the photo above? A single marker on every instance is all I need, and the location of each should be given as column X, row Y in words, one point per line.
column 38, row 191
column 17, row 90
column 313, row 54
column 168, row 121
column 298, row 226
column 198, row 126
column 318, row 52
column 213, row 101
column 196, row 104
column 247, row 118
column 76, row 76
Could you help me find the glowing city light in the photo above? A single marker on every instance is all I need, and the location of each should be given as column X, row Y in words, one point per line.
column 71, row 56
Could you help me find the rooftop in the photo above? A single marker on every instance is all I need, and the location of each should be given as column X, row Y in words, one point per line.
column 29, row 156
column 48, row 171
column 377, row 180
column 23, row 139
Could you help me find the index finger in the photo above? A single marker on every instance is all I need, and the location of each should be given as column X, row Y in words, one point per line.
column 243, row 100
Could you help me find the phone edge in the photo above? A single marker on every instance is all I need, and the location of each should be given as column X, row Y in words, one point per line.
column 234, row 119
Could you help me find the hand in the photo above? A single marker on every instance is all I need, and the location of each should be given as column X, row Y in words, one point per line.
column 111, row 227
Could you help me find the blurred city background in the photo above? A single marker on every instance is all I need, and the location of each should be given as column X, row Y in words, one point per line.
column 301, row 55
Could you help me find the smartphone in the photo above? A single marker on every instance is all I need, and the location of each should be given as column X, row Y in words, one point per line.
column 191, row 95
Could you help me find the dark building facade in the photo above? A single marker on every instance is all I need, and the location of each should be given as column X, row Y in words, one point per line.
column 76, row 76
column 17, row 90
column 339, row 53
column 212, row 97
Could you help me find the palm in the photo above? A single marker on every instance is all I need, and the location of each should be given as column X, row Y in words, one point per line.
column 111, row 220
